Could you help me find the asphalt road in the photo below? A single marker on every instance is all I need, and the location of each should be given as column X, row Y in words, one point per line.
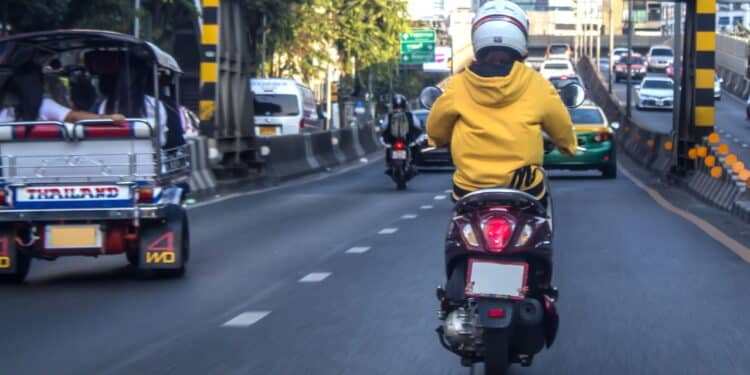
column 642, row 291
column 731, row 122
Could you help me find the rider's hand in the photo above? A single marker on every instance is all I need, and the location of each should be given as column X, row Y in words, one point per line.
column 117, row 117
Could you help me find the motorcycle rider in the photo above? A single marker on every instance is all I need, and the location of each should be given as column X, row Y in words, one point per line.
column 493, row 113
column 400, row 123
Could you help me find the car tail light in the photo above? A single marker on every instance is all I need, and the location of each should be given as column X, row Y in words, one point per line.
column 603, row 137
column 497, row 231
column 496, row 313
column 399, row 145
column 301, row 123
column 3, row 197
column 145, row 195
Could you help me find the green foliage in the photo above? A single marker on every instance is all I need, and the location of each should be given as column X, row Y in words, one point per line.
column 26, row 15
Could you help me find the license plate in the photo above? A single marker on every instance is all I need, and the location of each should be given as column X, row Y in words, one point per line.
column 496, row 279
column 61, row 237
column 401, row 155
column 267, row 130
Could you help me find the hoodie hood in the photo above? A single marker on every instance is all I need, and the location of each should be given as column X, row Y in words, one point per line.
column 498, row 91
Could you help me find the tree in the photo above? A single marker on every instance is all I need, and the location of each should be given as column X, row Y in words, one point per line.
column 26, row 16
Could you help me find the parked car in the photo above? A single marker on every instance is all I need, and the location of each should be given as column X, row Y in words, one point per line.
column 558, row 51
column 717, row 87
column 670, row 71
column 428, row 156
column 596, row 142
column 534, row 62
column 655, row 93
column 556, row 68
column 637, row 67
column 659, row 57
column 283, row 106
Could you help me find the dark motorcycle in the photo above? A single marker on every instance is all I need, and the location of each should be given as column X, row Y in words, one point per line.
column 498, row 304
column 400, row 140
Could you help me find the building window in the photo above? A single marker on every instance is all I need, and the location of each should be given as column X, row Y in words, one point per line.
column 724, row 21
column 739, row 20
column 565, row 26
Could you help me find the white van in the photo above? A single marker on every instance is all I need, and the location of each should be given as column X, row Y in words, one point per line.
column 283, row 106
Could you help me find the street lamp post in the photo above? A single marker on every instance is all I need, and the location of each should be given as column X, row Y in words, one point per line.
column 628, row 96
column 611, row 45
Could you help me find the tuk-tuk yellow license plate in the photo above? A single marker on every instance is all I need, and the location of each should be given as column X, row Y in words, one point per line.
column 60, row 237
column 267, row 130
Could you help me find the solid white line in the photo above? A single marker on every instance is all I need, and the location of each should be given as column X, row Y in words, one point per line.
column 388, row 231
column 409, row 216
column 246, row 319
column 315, row 277
column 440, row 197
column 730, row 243
column 358, row 250
column 426, row 207
column 448, row 191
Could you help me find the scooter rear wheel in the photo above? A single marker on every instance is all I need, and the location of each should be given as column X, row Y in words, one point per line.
column 497, row 352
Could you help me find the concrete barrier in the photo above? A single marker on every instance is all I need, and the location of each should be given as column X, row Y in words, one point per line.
column 202, row 179
column 290, row 156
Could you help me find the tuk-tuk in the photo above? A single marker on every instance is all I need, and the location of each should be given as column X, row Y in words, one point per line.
column 94, row 187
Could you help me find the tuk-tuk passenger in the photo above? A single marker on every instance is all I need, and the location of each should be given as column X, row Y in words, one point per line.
column 22, row 97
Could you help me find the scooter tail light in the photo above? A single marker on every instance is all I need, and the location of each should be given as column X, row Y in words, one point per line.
column 399, row 145
column 496, row 313
column 603, row 137
column 525, row 235
column 497, row 231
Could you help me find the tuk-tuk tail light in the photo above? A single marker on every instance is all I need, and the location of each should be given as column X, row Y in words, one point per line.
column 145, row 194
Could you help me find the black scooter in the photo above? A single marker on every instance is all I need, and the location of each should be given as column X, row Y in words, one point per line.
column 498, row 304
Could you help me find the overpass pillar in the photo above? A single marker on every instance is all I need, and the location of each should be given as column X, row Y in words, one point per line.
column 696, row 109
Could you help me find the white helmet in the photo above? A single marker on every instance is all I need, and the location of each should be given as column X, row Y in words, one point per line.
column 500, row 23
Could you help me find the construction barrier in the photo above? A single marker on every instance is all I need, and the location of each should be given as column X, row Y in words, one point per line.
column 202, row 179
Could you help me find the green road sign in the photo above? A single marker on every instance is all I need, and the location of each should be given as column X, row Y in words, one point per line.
column 418, row 47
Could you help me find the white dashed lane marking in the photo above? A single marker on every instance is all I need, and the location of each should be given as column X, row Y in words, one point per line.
column 388, row 231
column 409, row 216
column 440, row 197
column 426, row 207
column 246, row 319
column 358, row 250
column 315, row 277
column 448, row 191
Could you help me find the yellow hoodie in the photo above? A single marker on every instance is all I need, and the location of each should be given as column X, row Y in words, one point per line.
column 494, row 126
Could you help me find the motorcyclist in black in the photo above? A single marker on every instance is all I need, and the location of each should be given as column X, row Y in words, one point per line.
column 401, row 124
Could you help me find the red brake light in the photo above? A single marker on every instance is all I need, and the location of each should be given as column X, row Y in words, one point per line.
column 145, row 195
column 497, row 231
column 3, row 198
column 603, row 137
column 563, row 78
column 496, row 313
column 399, row 145
column 301, row 123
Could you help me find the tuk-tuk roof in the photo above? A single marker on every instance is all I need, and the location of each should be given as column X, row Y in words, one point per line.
column 63, row 40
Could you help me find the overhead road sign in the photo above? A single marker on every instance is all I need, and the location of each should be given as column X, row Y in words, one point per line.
column 418, row 47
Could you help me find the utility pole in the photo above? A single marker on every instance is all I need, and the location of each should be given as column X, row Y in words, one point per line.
column 677, row 66
column 137, row 19
column 611, row 45
column 629, row 94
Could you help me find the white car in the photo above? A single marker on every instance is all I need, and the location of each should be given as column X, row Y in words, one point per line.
column 659, row 57
column 655, row 93
column 619, row 53
column 557, row 68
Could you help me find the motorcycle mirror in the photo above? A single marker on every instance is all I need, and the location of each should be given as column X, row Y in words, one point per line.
column 573, row 95
column 429, row 96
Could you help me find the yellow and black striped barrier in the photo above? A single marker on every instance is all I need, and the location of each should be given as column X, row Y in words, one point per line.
column 209, row 57
column 705, row 64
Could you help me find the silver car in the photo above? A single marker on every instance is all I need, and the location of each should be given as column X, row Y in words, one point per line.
column 659, row 57
column 655, row 93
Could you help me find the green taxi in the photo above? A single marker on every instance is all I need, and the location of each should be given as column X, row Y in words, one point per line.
column 596, row 144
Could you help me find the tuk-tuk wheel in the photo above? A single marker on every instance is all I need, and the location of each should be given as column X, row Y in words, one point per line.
column 22, row 270
column 132, row 258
